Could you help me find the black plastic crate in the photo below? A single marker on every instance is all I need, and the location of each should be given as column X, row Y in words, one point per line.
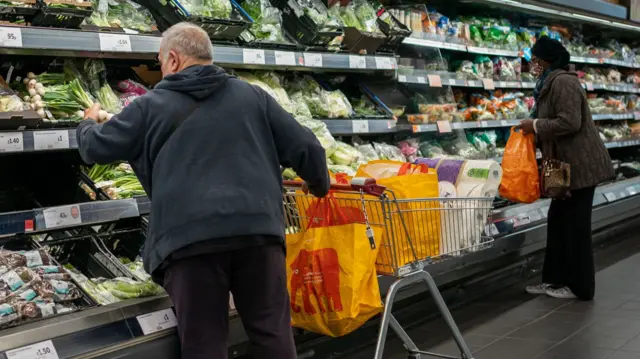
column 218, row 29
column 301, row 26
column 396, row 32
column 17, row 13
column 49, row 15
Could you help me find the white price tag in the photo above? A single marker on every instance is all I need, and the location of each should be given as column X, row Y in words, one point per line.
column 10, row 37
column 357, row 62
column 312, row 60
column 384, row 63
column 157, row 321
column 49, row 140
column 632, row 190
column 452, row 82
column 11, row 142
column 443, row 126
column 488, row 84
column 285, row 58
column 610, row 196
column 504, row 123
column 457, row 125
column 115, row 42
column 360, row 126
column 253, row 56
column 544, row 211
column 422, row 80
column 44, row 350
column 434, row 80
column 62, row 216
column 484, row 124
column 402, row 78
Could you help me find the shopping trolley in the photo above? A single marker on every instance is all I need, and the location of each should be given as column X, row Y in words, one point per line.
column 410, row 227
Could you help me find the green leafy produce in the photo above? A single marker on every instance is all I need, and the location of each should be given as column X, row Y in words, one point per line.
column 289, row 174
column 125, row 288
column 367, row 15
column 321, row 131
column 60, row 101
column 342, row 169
column 321, row 103
column 80, row 95
column 118, row 181
column 267, row 19
column 122, row 13
column 276, row 91
column 364, row 107
column 217, row 9
column 344, row 154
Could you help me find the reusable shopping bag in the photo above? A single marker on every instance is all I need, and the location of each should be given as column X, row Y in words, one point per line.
column 520, row 176
column 379, row 169
column 331, row 274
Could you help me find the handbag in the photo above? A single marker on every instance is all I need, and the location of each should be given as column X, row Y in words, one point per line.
column 555, row 180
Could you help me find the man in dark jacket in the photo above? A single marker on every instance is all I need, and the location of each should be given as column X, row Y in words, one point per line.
column 207, row 149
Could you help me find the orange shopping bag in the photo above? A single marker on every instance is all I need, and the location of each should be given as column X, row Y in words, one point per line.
column 331, row 273
column 520, row 175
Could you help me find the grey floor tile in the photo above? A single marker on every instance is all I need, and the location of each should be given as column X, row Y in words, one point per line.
column 633, row 345
column 554, row 327
column 511, row 348
column 624, row 355
column 576, row 350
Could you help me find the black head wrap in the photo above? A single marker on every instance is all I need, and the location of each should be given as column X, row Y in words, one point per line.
column 552, row 52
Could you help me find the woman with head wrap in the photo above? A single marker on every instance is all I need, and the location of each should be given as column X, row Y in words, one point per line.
column 565, row 132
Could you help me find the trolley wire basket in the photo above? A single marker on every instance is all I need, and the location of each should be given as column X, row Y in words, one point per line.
column 416, row 233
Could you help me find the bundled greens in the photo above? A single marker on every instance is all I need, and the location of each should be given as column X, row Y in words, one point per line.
column 267, row 19
column 126, row 288
column 345, row 154
column 217, row 9
column 272, row 84
column 118, row 181
column 321, row 103
column 122, row 13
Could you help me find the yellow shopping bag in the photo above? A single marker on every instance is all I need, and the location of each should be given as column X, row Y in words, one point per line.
column 332, row 279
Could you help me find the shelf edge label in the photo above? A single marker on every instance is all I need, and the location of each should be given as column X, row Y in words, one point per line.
column 10, row 37
column 287, row 58
column 62, row 216
column 157, row 321
column 11, row 142
column 50, row 140
column 42, row 350
column 253, row 57
column 115, row 42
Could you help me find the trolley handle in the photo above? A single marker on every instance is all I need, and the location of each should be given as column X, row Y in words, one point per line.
column 366, row 185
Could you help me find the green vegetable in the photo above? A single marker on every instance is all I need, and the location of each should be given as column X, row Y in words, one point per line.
column 344, row 154
column 217, row 9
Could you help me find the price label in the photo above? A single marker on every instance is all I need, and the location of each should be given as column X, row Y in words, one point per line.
column 457, row 125
column 385, row 63
column 115, row 42
column 491, row 230
column 544, row 211
column 402, row 78
column 11, row 142
column 434, row 80
column 253, row 56
column 504, row 123
column 44, row 350
column 521, row 220
column 632, row 190
column 357, row 62
column 415, row 128
column 157, row 321
column 444, row 126
column 285, row 58
column 360, row 126
column 452, row 82
column 62, row 216
column 610, row 196
column 312, row 60
column 623, row 194
column 10, row 37
column 421, row 80
column 488, row 84
column 49, row 140
column 473, row 83
column 535, row 216
column 589, row 86
column 484, row 124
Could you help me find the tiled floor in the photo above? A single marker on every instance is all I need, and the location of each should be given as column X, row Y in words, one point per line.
column 514, row 325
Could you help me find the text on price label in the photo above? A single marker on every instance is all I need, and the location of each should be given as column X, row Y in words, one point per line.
column 285, row 58
column 253, row 56
column 11, row 142
column 384, row 63
column 357, row 62
column 10, row 37
column 360, row 126
column 43, row 350
column 62, row 216
column 157, row 321
column 115, row 42
column 312, row 60
column 50, row 140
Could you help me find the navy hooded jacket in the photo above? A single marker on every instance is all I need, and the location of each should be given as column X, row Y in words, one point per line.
column 217, row 174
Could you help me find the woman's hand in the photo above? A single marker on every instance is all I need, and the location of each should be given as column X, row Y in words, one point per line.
column 526, row 126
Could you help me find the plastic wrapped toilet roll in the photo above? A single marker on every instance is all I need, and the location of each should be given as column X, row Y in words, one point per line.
column 461, row 227
column 480, row 171
column 477, row 190
column 447, row 190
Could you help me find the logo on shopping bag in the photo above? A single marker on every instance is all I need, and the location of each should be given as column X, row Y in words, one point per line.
column 317, row 274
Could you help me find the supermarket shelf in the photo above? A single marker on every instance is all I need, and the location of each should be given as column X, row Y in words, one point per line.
column 61, row 42
column 427, row 40
column 460, row 125
column 615, row 116
column 604, row 61
column 38, row 140
column 72, row 215
column 611, row 87
column 360, row 126
column 623, row 143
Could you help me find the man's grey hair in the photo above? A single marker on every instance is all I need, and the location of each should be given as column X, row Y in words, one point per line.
column 187, row 39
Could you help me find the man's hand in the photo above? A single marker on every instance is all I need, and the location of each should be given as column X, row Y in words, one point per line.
column 526, row 126
column 93, row 113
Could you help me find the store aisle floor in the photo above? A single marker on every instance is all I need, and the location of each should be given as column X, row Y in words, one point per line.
column 515, row 325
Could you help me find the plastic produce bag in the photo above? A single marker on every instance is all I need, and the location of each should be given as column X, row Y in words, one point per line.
column 267, row 19
column 344, row 154
column 217, row 9
column 321, row 131
column 520, row 177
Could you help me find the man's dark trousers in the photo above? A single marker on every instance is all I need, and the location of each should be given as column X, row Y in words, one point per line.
column 199, row 288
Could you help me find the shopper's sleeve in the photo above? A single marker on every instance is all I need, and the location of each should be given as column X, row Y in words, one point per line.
column 298, row 148
column 566, row 97
column 118, row 139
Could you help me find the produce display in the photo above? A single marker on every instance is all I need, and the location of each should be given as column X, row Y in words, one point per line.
column 117, row 181
column 217, row 9
column 124, row 14
column 612, row 104
column 32, row 286
column 321, row 103
column 267, row 21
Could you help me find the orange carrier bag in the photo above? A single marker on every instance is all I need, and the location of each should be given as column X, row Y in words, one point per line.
column 331, row 273
column 520, row 175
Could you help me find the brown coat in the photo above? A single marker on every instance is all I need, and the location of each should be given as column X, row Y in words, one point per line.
column 565, row 119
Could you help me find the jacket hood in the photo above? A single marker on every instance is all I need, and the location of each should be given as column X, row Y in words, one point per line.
column 198, row 81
